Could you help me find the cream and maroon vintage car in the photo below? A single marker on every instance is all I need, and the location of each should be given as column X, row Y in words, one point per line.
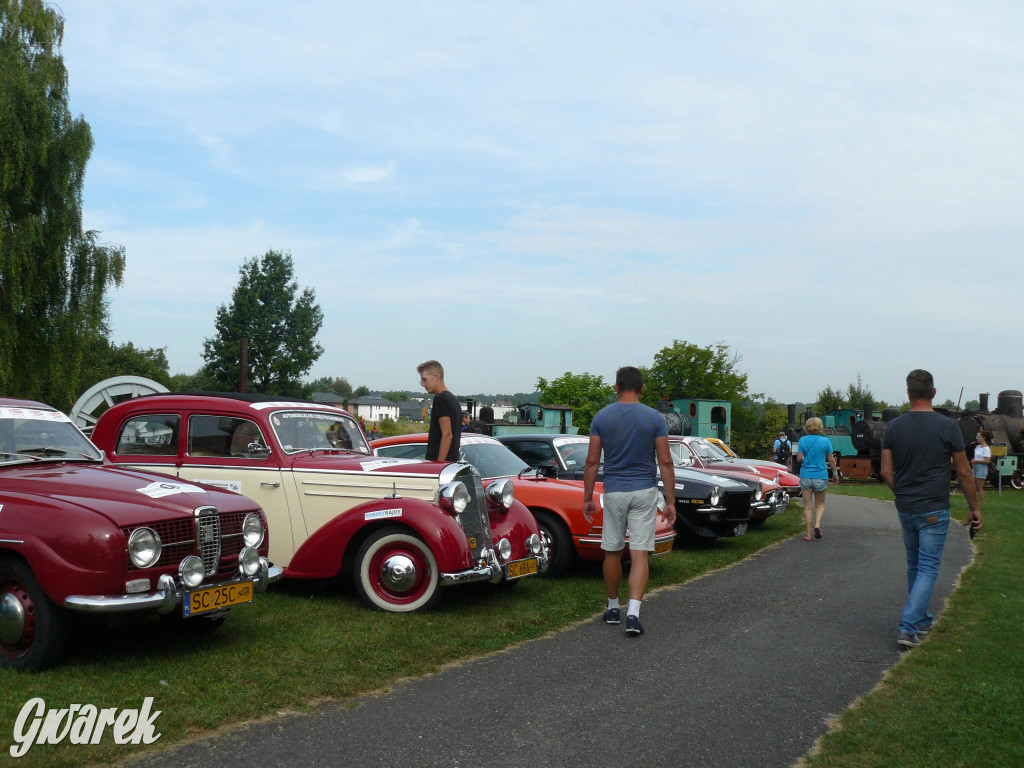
column 400, row 528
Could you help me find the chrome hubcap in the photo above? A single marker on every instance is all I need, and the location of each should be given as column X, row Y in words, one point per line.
column 12, row 619
column 399, row 573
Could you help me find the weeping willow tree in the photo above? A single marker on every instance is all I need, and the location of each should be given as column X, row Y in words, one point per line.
column 53, row 275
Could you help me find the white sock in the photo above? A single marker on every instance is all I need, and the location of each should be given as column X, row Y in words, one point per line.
column 634, row 608
column 613, row 602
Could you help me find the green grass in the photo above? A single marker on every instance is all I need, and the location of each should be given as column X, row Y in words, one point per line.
column 958, row 700
column 306, row 643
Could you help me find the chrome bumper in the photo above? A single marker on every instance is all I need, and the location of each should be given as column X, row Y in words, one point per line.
column 167, row 596
column 490, row 571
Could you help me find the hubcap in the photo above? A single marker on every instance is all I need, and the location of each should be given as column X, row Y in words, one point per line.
column 399, row 573
column 12, row 619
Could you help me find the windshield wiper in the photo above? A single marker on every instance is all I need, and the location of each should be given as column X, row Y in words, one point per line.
column 19, row 456
column 45, row 452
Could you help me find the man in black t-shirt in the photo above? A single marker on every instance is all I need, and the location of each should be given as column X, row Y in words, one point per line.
column 445, row 414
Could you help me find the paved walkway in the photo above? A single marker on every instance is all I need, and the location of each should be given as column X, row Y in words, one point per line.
column 740, row 668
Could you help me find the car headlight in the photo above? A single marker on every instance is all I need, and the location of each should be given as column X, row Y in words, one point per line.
column 534, row 544
column 191, row 571
column 716, row 496
column 144, row 547
column 253, row 530
column 504, row 549
column 454, row 498
column 502, row 492
column 249, row 561
column 758, row 493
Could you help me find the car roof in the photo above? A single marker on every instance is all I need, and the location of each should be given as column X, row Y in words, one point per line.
column 254, row 400
column 12, row 402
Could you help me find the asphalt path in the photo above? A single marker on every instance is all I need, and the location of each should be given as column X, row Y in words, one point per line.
column 742, row 667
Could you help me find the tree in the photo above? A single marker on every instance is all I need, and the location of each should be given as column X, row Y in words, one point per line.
column 53, row 275
column 857, row 394
column 829, row 400
column 361, row 391
column 688, row 370
column 585, row 392
column 200, row 381
column 338, row 385
column 281, row 329
column 103, row 360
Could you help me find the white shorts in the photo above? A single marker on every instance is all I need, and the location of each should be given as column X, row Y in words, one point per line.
column 629, row 513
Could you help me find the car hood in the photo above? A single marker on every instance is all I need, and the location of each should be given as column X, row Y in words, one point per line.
column 710, row 477
column 126, row 497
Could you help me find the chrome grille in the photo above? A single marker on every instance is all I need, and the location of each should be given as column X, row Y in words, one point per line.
column 208, row 538
column 474, row 520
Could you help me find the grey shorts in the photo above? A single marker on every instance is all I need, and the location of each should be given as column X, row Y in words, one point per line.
column 629, row 513
column 980, row 471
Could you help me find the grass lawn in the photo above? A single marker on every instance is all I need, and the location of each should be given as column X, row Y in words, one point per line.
column 957, row 700
column 305, row 643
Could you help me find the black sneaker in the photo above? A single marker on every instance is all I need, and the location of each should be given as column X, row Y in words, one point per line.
column 922, row 631
column 611, row 616
column 633, row 625
column 905, row 639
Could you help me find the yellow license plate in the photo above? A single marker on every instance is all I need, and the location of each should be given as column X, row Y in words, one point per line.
column 521, row 568
column 662, row 547
column 212, row 598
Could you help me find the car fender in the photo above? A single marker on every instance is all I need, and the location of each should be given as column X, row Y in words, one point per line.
column 322, row 554
column 516, row 525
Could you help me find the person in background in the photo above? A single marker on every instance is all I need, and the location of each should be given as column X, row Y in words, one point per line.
column 916, row 451
column 814, row 452
column 445, row 414
column 465, row 422
column 980, row 463
column 782, row 451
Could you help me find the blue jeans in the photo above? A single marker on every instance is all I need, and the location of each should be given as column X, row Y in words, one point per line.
column 924, row 536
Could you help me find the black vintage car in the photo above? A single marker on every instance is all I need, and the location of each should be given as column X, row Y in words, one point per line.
column 706, row 506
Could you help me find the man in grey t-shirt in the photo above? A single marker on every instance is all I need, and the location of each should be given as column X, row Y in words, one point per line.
column 635, row 444
column 916, row 451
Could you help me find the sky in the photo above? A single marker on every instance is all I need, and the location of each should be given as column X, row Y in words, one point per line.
column 521, row 190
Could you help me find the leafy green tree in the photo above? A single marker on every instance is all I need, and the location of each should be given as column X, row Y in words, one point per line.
column 688, row 370
column 103, row 360
column 336, row 384
column 395, row 395
column 281, row 329
column 857, row 394
column 585, row 392
column 200, row 381
column 829, row 400
column 53, row 275
column 361, row 391
column 387, row 427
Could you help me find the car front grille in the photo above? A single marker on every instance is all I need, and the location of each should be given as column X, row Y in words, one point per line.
column 474, row 519
column 737, row 505
column 215, row 538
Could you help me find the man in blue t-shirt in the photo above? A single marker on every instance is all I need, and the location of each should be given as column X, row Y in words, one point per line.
column 916, row 451
column 635, row 444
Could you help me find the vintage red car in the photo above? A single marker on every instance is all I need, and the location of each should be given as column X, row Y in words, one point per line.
column 400, row 528
column 77, row 534
column 557, row 504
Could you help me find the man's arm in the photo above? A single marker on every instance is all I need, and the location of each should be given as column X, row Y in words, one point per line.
column 668, row 477
column 590, row 476
column 888, row 476
column 963, row 474
column 445, row 423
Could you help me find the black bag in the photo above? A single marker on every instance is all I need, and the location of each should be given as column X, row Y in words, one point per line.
column 782, row 455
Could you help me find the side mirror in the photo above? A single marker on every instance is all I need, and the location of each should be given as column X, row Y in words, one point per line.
column 257, row 450
column 546, row 470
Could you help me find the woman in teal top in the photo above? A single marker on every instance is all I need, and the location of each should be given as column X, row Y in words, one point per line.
column 814, row 451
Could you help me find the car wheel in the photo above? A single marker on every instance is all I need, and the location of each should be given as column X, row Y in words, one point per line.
column 1017, row 479
column 397, row 572
column 33, row 631
column 556, row 536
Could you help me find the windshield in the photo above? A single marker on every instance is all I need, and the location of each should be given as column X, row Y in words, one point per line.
column 317, row 431
column 681, row 455
column 707, row 450
column 574, row 455
column 493, row 459
column 28, row 434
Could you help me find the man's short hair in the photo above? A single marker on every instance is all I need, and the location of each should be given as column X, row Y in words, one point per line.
column 813, row 426
column 920, row 385
column 431, row 366
column 781, row 433
column 629, row 379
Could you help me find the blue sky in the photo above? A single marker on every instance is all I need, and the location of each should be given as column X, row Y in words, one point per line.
column 521, row 190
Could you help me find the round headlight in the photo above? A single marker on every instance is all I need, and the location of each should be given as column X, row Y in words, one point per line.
column 502, row 492
column 504, row 549
column 758, row 493
column 534, row 544
column 249, row 561
column 454, row 498
column 191, row 571
column 252, row 530
column 144, row 547
column 716, row 496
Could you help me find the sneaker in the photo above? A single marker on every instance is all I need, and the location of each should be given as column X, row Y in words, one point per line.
column 611, row 616
column 633, row 626
column 907, row 640
column 922, row 631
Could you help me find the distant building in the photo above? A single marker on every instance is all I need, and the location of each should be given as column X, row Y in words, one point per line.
column 413, row 410
column 328, row 398
column 373, row 408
